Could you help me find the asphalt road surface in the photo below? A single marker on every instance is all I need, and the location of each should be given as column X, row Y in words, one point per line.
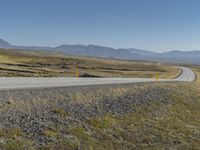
column 28, row 83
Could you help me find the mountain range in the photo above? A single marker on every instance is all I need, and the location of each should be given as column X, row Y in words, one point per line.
column 175, row 56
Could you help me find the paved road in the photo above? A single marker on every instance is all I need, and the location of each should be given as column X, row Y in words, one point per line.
column 187, row 75
column 25, row 83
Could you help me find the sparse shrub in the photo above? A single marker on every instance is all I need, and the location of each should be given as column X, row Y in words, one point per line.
column 60, row 112
column 13, row 145
column 10, row 133
column 102, row 122
column 50, row 132
column 80, row 133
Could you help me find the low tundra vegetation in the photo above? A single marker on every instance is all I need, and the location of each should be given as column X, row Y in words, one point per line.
column 142, row 116
column 15, row 63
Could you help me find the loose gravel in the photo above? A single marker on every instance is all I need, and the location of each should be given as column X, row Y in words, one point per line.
column 35, row 110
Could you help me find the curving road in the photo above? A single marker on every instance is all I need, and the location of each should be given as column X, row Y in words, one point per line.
column 27, row 83
column 187, row 75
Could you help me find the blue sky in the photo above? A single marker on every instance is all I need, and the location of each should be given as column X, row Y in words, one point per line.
column 157, row 25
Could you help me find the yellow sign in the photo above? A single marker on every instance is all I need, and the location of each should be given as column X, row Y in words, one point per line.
column 157, row 76
column 77, row 73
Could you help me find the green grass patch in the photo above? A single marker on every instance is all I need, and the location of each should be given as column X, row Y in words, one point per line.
column 10, row 133
column 61, row 112
column 102, row 123
column 51, row 132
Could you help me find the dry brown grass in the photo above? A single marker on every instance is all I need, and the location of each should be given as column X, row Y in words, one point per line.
column 37, row 64
column 92, row 96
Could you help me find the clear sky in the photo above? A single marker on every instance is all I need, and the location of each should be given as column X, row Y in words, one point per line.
column 157, row 25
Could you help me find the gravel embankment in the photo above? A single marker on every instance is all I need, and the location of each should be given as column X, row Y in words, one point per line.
column 34, row 110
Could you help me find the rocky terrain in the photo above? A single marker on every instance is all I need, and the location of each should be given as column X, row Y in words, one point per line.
column 73, row 118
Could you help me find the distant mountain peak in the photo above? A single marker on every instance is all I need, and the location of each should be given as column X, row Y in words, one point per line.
column 179, row 52
column 174, row 56
column 4, row 44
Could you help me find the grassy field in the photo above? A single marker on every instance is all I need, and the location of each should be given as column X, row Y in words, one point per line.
column 43, row 64
column 135, row 116
column 173, row 124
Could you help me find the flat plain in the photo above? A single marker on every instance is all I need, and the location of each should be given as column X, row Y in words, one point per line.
column 16, row 63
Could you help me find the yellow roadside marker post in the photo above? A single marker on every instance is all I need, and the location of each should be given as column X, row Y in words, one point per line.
column 77, row 73
column 151, row 76
column 157, row 76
